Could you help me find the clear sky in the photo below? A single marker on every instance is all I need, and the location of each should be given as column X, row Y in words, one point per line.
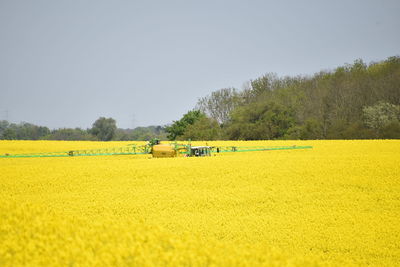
column 66, row 63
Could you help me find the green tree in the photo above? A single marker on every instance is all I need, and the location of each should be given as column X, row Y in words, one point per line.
column 29, row 131
column 70, row 134
column 141, row 133
column 203, row 129
column 104, row 128
column 177, row 129
column 260, row 120
column 3, row 126
column 9, row 134
column 311, row 129
column 391, row 130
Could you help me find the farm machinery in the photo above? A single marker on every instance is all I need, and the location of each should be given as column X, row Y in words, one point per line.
column 157, row 149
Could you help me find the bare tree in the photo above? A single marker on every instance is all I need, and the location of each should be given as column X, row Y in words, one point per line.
column 219, row 104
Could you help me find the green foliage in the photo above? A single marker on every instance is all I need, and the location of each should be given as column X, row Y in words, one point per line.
column 141, row 133
column 9, row 134
column 4, row 125
column 339, row 104
column 311, row 129
column 22, row 131
column 203, row 129
column 354, row 101
column 391, row 130
column 28, row 131
column 70, row 134
column 104, row 128
column 177, row 129
column 260, row 120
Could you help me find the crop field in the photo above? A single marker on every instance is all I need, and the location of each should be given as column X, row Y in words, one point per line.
column 336, row 204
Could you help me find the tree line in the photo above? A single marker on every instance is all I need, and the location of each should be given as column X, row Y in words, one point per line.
column 354, row 101
column 103, row 129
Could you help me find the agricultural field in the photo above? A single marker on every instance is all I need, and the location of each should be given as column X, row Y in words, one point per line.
column 336, row 204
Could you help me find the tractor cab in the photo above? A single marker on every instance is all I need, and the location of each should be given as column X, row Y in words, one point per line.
column 200, row 151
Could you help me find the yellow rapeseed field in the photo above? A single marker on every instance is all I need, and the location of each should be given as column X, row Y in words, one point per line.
column 336, row 204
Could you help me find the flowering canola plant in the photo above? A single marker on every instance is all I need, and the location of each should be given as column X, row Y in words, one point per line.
column 336, row 204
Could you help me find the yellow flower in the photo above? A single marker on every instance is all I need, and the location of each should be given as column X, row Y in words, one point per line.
column 336, row 204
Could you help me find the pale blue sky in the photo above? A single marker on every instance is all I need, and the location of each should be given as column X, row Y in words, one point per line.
column 66, row 63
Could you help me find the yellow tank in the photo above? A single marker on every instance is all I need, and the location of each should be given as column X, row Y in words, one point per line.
column 163, row 151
